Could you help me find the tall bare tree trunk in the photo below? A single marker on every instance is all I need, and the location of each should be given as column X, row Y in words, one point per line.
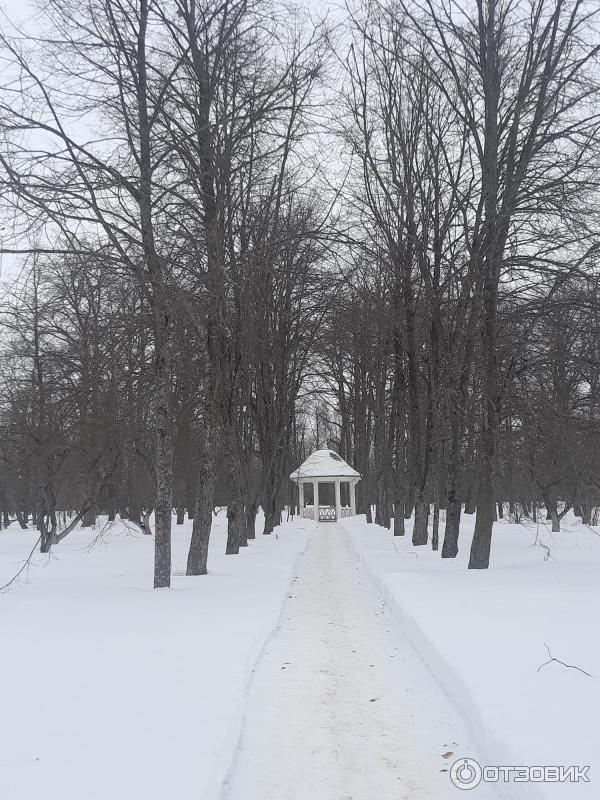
column 163, row 454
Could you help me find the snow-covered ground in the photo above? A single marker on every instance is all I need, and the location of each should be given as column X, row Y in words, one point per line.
column 386, row 665
column 110, row 690
column 483, row 635
column 340, row 707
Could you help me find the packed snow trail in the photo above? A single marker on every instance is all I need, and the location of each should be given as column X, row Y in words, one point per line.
column 340, row 706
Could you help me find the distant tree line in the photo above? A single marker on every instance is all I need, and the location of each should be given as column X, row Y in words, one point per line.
column 155, row 156
column 235, row 223
column 463, row 352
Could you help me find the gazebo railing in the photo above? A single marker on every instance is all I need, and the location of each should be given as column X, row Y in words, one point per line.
column 326, row 513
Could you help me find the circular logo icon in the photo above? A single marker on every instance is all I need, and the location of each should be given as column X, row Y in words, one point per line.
column 466, row 773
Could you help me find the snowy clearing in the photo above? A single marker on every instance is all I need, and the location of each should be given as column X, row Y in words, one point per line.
column 386, row 665
column 87, row 645
column 483, row 636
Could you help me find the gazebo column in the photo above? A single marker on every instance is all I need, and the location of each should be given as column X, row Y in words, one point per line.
column 352, row 498
column 316, row 499
column 300, row 498
column 338, row 500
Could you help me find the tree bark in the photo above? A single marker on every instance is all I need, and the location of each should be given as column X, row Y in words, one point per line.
column 203, row 508
column 250, row 510
column 420, row 534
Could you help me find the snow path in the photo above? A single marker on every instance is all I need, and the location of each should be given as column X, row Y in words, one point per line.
column 340, row 706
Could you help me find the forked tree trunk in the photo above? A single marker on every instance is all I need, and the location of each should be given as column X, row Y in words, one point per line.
column 553, row 513
column 45, row 538
column 146, row 522
column 47, row 527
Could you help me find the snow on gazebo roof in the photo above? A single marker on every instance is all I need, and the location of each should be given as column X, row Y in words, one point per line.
column 324, row 464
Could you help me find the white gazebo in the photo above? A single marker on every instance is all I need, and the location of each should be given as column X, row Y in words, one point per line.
column 326, row 467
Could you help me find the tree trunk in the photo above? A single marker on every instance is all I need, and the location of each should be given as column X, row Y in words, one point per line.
column 452, row 527
column 163, row 456
column 203, row 508
column 242, row 529
column 586, row 514
column 46, row 533
column 435, row 539
column 552, row 513
column 146, row 521
column 89, row 519
column 399, row 529
column 479, row 557
column 235, row 527
column 250, row 519
column 420, row 535
column 22, row 520
column 45, row 539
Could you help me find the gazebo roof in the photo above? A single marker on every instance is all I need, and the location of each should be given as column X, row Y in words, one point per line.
column 324, row 464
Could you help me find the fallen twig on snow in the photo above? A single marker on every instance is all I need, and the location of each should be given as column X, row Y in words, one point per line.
column 547, row 549
column 558, row 661
column 25, row 565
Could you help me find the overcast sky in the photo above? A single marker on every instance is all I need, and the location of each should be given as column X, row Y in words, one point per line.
column 24, row 12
